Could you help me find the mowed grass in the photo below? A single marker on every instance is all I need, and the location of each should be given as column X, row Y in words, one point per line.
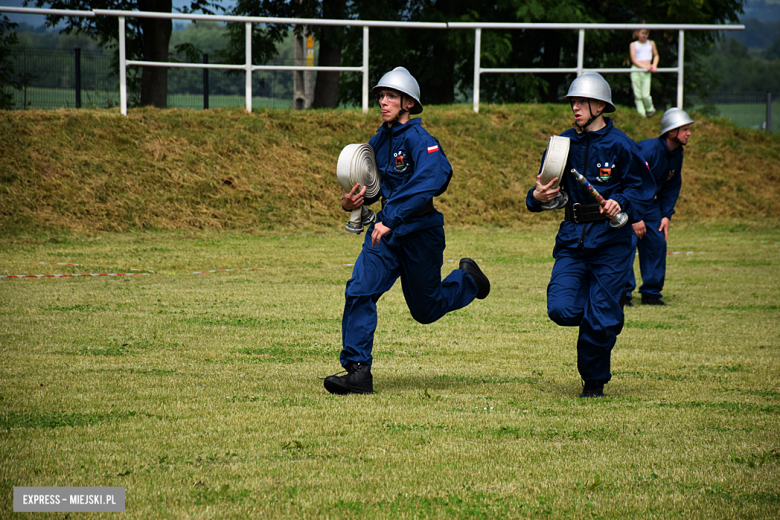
column 201, row 395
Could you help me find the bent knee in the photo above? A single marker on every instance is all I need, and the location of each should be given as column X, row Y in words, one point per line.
column 425, row 318
column 563, row 316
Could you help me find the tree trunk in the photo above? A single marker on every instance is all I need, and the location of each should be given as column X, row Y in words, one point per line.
column 551, row 59
column 326, row 90
column 441, row 90
column 156, row 36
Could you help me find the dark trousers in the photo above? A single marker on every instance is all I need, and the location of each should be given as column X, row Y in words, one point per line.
column 584, row 292
column 417, row 259
column 652, row 257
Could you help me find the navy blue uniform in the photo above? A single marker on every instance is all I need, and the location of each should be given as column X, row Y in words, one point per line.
column 592, row 259
column 414, row 169
column 666, row 166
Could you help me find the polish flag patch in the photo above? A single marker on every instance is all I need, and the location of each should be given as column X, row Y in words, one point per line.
column 434, row 148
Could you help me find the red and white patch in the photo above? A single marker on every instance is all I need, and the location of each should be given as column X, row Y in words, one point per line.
column 434, row 148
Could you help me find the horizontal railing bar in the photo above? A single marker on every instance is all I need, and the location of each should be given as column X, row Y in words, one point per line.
column 240, row 67
column 607, row 26
column 47, row 12
column 567, row 71
column 265, row 19
column 186, row 65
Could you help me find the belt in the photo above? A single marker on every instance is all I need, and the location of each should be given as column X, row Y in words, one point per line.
column 581, row 213
column 428, row 209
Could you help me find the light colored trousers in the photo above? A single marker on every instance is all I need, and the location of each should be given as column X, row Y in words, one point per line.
column 640, row 82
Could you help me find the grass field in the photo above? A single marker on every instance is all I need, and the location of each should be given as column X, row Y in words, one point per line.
column 200, row 394
column 751, row 115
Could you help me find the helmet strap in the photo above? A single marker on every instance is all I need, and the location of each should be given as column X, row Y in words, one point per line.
column 402, row 111
column 675, row 138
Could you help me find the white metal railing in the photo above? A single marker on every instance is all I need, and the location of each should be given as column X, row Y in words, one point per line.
column 477, row 27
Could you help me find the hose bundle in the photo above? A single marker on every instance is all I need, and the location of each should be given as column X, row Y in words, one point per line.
column 357, row 165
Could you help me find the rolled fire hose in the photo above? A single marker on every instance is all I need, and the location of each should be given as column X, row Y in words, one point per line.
column 357, row 165
column 553, row 166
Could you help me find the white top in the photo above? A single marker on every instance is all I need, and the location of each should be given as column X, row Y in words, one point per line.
column 644, row 51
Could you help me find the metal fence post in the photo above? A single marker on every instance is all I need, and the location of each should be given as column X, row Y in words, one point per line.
column 477, row 66
column 768, row 111
column 122, row 68
column 205, row 83
column 580, row 52
column 77, row 73
column 249, row 67
column 680, row 60
column 365, row 69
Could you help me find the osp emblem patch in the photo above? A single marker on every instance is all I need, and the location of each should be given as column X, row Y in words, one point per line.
column 400, row 162
column 605, row 172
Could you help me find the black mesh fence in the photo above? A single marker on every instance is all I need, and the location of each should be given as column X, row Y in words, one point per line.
column 50, row 80
column 746, row 109
column 55, row 78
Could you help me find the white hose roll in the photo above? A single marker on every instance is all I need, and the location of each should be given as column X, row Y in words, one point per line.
column 555, row 159
column 357, row 165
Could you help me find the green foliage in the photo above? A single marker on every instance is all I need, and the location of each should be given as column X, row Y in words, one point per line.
column 734, row 69
column 8, row 39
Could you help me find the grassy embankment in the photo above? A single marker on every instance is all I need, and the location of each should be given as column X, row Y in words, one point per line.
column 94, row 170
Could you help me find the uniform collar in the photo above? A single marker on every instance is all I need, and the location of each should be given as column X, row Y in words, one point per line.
column 398, row 128
column 598, row 133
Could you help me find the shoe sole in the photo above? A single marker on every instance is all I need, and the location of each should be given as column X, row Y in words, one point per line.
column 337, row 389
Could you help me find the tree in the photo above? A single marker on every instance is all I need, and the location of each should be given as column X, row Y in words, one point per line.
column 7, row 40
column 265, row 39
column 446, row 77
column 147, row 39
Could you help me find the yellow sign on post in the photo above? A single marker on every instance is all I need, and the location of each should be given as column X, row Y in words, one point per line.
column 310, row 51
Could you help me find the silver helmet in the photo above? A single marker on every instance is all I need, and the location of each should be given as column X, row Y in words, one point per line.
column 674, row 118
column 401, row 80
column 592, row 85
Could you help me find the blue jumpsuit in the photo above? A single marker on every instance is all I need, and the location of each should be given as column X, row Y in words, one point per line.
column 414, row 169
column 666, row 167
column 592, row 259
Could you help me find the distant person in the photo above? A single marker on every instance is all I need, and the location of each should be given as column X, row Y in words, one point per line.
column 644, row 58
column 664, row 155
column 407, row 239
column 592, row 259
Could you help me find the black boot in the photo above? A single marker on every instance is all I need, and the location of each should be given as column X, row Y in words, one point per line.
column 649, row 300
column 357, row 380
column 473, row 270
column 592, row 389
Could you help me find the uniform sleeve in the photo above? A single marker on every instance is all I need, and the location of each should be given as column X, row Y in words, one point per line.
column 432, row 172
column 530, row 201
column 668, row 194
column 638, row 185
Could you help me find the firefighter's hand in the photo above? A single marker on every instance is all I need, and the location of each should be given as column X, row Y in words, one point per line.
column 664, row 228
column 611, row 208
column 353, row 200
column 380, row 230
column 640, row 229
column 543, row 192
